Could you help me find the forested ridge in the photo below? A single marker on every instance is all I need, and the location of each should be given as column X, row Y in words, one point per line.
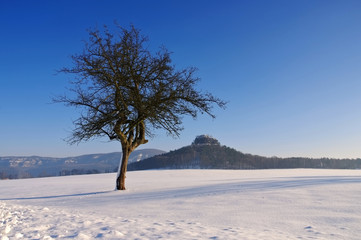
column 208, row 156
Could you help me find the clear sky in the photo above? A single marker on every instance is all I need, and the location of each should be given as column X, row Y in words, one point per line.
column 291, row 71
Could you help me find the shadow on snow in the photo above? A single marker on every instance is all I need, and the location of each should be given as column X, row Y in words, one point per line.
column 240, row 186
column 55, row 196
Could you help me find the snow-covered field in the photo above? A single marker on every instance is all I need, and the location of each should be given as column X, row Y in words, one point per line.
column 185, row 204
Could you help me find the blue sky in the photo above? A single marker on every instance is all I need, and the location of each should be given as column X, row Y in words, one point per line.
column 290, row 70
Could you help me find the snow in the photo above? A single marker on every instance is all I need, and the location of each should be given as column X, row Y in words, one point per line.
column 185, row 204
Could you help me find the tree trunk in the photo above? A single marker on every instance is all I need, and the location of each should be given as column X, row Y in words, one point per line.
column 122, row 170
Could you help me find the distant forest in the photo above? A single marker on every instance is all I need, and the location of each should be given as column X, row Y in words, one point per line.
column 207, row 156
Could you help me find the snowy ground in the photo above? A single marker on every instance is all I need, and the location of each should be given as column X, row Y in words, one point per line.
column 186, row 204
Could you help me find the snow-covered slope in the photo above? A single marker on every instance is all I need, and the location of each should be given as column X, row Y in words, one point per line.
column 185, row 204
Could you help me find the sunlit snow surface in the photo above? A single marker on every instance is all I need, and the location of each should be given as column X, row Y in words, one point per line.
column 185, row 204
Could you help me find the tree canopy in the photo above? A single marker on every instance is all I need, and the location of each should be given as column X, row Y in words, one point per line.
column 126, row 91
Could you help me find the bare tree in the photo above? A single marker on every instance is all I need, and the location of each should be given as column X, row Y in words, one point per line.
column 125, row 91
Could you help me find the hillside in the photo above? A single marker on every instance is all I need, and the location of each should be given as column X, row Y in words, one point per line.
column 195, row 157
column 34, row 166
column 207, row 153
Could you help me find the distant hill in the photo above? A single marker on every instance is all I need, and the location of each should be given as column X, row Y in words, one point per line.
column 204, row 153
column 207, row 153
column 34, row 166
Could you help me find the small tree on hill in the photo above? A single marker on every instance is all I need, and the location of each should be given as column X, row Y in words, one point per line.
column 125, row 91
column 205, row 140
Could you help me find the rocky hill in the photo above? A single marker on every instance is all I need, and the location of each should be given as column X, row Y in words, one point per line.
column 207, row 153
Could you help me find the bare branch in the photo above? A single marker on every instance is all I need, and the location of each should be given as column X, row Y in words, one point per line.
column 126, row 90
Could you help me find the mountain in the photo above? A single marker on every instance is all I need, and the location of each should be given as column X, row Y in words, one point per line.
column 205, row 156
column 35, row 166
column 207, row 153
